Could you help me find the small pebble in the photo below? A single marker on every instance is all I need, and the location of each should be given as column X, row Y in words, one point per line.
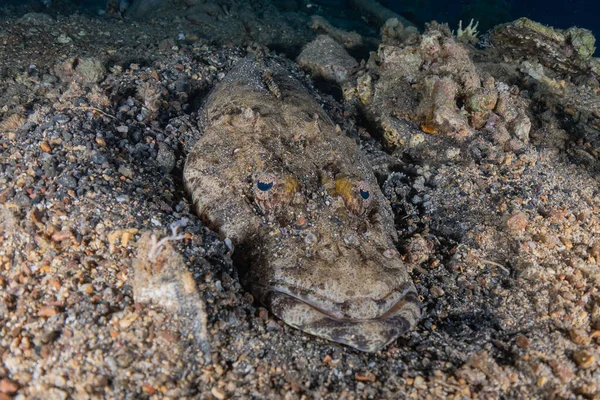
column 98, row 157
column 8, row 386
column 63, row 39
column 584, row 359
column 165, row 157
column 48, row 311
column 218, row 393
column 522, row 341
column 45, row 147
column 67, row 181
column 517, row 223
column 126, row 172
column 61, row 119
column 365, row 377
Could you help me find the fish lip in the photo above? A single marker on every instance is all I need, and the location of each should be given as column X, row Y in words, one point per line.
column 332, row 312
column 368, row 335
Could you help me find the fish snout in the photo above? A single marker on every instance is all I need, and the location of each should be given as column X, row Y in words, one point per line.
column 365, row 334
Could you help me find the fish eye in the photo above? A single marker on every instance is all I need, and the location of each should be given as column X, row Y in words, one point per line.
column 363, row 190
column 357, row 195
column 264, row 186
column 272, row 192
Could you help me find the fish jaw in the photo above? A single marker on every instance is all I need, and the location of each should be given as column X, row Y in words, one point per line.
column 368, row 335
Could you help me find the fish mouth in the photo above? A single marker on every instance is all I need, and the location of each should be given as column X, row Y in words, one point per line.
column 368, row 335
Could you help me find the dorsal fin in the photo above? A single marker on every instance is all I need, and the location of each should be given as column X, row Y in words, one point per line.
column 314, row 125
column 270, row 83
column 260, row 55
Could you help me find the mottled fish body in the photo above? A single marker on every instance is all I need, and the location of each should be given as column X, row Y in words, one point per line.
column 314, row 236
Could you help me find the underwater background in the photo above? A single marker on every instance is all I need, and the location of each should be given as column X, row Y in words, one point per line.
column 557, row 13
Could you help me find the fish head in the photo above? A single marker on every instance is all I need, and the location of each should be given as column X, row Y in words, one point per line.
column 326, row 263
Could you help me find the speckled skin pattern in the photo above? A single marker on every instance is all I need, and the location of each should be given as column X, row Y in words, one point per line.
column 313, row 234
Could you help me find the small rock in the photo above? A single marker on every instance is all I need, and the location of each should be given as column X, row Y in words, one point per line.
column 389, row 253
column 482, row 100
column 595, row 250
column 22, row 199
column 452, row 153
column 63, row 39
column 98, row 157
column 8, row 386
column 327, row 59
column 45, row 147
column 541, row 381
column 364, row 88
column 90, row 70
column 522, row 342
column 56, row 393
column 124, row 360
column 48, row 311
column 35, row 19
column 127, row 321
column 333, row 363
column 67, row 181
column 521, row 127
column 46, row 337
column 418, row 249
column 366, row 377
column 62, row 235
column 148, row 389
column 584, row 359
column 126, row 172
column 61, row 119
column 273, row 326
column 165, row 157
column 218, row 393
column 578, row 336
column 517, row 223
column 419, row 382
column 263, row 313
column 166, row 44
column 86, row 288
column 562, row 370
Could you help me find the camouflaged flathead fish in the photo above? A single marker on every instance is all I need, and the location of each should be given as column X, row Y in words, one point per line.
column 313, row 234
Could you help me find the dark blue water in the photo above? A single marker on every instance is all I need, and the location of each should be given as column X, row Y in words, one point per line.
column 557, row 13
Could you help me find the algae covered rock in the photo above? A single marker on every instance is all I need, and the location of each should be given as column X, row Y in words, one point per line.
column 84, row 70
column 327, row 59
column 348, row 39
column 567, row 78
column 426, row 84
column 567, row 51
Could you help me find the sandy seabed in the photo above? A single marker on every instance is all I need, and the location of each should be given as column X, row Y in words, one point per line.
column 97, row 116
